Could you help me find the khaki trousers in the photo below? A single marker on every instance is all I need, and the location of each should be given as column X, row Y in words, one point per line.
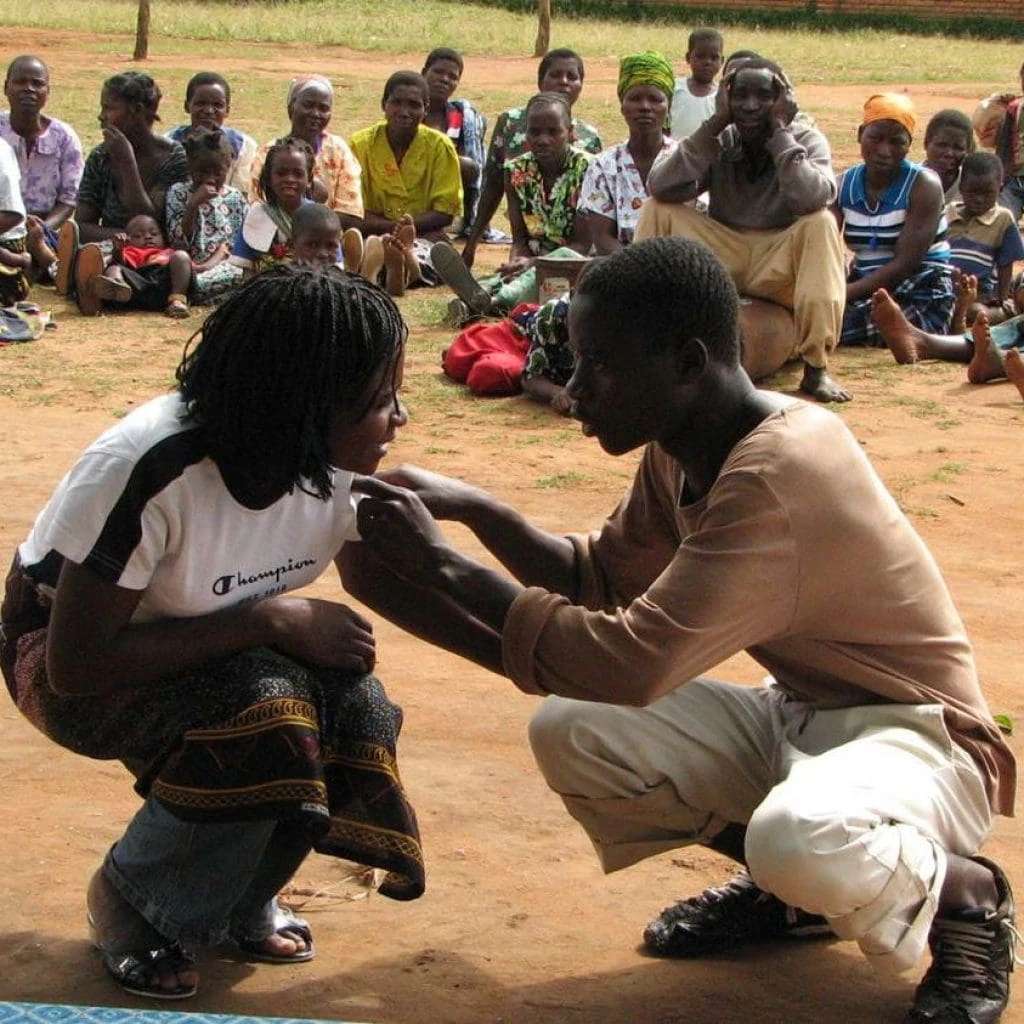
column 800, row 267
column 849, row 812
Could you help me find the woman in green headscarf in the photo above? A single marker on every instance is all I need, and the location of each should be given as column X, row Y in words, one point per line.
column 615, row 186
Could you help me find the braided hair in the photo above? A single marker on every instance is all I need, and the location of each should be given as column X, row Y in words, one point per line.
column 264, row 374
column 136, row 88
column 665, row 291
column 263, row 187
column 207, row 146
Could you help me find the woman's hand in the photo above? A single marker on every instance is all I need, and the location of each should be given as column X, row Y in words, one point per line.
column 119, row 149
column 322, row 633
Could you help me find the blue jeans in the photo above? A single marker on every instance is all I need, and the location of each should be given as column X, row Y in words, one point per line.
column 203, row 883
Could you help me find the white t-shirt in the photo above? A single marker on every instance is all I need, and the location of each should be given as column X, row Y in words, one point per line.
column 146, row 508
column 10, row 191
column 689, row 112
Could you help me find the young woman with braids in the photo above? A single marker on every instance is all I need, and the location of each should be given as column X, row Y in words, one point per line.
column 147, row 619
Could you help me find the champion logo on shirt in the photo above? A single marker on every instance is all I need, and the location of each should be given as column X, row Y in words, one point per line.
column 225, row 584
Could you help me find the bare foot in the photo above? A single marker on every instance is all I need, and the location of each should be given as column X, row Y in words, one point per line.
column 119, row 928
column 373, row 258
column 985, row 363
column 965, row 290
column 818, row 384
column 405, row 233
column 405, row 230
column 905, row 341
column 1014, row 366
column 394, row 266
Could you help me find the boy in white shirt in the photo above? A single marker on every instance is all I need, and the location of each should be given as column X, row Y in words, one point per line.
column 693, row 101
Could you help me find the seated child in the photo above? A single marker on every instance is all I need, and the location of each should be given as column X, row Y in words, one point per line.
column 693, row 101
column 948, row 138
column 205, row 214
column 208, row 103
column 984, row 243
column 266, row 235
column 549, row 361
column 315, row 232
column 990, row 353
column 14, row 259
column 143, row 272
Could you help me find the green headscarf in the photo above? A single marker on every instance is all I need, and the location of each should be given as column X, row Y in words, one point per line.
column 647, row 68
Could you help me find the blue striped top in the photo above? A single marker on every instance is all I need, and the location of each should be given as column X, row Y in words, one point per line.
column 871, row 231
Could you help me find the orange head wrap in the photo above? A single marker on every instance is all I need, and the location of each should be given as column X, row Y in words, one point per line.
column 890, row 106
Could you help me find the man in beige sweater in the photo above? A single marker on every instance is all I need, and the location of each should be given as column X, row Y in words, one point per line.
column 860, row 780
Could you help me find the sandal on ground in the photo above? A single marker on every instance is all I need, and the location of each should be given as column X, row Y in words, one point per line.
column 67, row 250
column 288, row 926
column 137, row 972
column 109, row 289
column 89, row 264
column 177, row 306
column 452, row 269
column 352, row 250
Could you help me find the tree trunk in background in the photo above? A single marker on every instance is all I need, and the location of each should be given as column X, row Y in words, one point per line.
column 142, row 32
column 543, row 28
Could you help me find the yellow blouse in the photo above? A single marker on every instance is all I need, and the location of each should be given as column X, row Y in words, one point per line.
column 427, row 179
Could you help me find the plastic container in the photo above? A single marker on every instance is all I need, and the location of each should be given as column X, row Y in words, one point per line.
column 557, row 277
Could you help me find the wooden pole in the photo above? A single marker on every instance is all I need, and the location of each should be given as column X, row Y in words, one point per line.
column 543, row 28
column 142, row 32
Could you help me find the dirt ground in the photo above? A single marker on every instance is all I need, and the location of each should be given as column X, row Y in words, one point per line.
column 518, row 924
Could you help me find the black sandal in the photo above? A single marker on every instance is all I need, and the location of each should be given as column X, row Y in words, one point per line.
column 136, row 972
column 287, row 925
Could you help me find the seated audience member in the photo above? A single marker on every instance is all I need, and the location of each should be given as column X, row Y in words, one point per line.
column 411, row 186
column 769, row 182
column 615, row 185
column 542, row 188
column 285, row 178
column 127, row 174
column 336, row 171
column 205, row 214
column 14, row 259
column 859, row 781
column 891, row 214
column 693, row 98
column 560, row 71
column 142, row 273
column 49, row 156
column 984, row 243
column 208, row 103
column 948, row 138
column 459, row 120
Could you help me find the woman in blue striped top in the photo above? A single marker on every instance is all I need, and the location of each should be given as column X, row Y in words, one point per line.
column 891, row 215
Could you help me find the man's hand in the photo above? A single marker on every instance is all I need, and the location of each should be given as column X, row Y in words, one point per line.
column 784, row 108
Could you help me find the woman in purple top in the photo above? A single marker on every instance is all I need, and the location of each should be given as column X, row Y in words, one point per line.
column 49, row 157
